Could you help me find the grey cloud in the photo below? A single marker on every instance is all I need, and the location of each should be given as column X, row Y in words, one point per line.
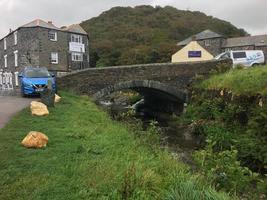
column 248, row 14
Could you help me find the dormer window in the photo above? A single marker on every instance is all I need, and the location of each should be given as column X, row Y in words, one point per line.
column 76, row 38
column 15, row 38
column 52, row 35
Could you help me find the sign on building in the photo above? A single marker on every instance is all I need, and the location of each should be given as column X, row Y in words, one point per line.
column 194, row 54
column 76, row 47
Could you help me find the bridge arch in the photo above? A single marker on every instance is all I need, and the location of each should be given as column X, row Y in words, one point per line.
column 145, row 87
column 158, row 97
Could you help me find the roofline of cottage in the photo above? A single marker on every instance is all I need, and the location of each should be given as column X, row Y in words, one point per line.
column 57, row 29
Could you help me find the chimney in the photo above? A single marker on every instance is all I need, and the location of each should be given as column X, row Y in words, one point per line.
column 50, row 22
column 194, row 38
column 10, row 30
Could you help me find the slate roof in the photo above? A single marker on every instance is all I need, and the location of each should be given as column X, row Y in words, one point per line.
column 257, row 40
column 40, row 23
column 207, row 34
column 75, row 28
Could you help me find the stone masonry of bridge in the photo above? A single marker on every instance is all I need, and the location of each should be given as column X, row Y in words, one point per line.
column 171, row 76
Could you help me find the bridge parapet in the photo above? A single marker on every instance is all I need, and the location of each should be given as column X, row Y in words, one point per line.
column 179, row 75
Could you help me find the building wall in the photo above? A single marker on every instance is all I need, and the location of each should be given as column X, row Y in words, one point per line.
column 213, row 46
column 61, row 46
column 34, row 49
column 264, row 49
column 47, row 46
column 182, row 55
column 239, row 48
column 27, row 48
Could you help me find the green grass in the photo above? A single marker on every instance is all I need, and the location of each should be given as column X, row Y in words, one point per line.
column 89, row 156
column 249, row 81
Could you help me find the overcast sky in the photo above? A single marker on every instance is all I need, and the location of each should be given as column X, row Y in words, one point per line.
column 248, row 14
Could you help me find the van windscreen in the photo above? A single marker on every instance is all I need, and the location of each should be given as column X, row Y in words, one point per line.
column 240, row 54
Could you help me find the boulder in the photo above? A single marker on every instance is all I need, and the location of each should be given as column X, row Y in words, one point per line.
column 57, row 98
column 39, row 109
column 35, row 140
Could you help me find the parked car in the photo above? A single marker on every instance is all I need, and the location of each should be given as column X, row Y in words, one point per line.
column 247, row 58
column 34, row 80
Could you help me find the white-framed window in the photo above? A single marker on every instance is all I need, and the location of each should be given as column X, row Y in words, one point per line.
column 52, row 35
column 16, row 78
column 4, row 43
column 15, row 38
column 76, row 56
column 16, row 57
column 5, row 58
column 76, row 38
column 54, row 58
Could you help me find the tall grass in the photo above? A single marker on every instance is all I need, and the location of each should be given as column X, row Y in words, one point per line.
column 249, row 81
column 89, row 156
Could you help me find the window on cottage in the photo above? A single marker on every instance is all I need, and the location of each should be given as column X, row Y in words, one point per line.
column 5, row 58
column 54, row 58
column 76, row 38
column 16, row 78
column 4, row 43
column 77, row 56
column 16, row 58
column 52, row 35
column 15, row 38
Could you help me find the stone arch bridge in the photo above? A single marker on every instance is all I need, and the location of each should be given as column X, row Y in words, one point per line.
column 163, row 85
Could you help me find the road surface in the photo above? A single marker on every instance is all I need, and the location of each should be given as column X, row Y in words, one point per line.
column 10, row 105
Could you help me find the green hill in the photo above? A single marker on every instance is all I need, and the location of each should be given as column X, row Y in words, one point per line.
column 144, row 34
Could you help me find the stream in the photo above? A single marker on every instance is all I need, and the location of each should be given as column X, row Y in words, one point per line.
column 179, row 141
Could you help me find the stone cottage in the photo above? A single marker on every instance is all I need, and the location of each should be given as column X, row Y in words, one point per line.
column 41, row 43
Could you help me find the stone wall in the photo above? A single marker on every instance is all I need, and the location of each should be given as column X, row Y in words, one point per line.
column 92, row 80
column 27, row 48
column 214, row 45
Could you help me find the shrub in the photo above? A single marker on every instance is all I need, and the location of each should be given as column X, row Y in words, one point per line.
column 222, row 138
column 223, row 169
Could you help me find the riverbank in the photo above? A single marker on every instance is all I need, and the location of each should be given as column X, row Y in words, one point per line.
column 229, row 112
column 90, row 156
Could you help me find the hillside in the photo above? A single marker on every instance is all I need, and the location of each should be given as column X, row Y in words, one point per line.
column 144, row 34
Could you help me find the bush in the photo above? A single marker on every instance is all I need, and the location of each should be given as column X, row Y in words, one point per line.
column 223, row 169
column 222, row 138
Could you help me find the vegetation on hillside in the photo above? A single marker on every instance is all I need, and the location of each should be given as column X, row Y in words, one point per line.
column 144, row 34
column 89, row 156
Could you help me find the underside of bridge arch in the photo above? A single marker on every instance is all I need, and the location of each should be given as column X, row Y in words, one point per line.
column 158, row 97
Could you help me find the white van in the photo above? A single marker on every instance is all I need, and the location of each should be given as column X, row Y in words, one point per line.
column 247, row 58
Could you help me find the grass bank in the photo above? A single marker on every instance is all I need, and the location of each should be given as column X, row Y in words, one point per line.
column 251, row 81
column 232, row 125
column 89, row 156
